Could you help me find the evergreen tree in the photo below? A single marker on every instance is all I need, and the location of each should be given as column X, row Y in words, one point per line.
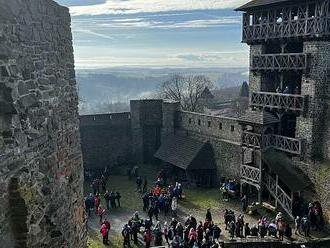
column 244, row 92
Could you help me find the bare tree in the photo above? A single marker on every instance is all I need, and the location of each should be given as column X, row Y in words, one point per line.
column 188, row 90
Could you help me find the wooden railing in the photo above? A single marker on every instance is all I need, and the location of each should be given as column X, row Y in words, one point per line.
column 278, row 101
column 282, row 143
column 293, row 21
column 278, row 193
column 251, row 174
column 250, row 139
column 289, row 61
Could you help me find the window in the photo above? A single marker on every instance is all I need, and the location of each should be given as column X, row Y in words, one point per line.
column 189, row 120
column 209, row 123
column 251, row 20
column 199, row 122
column 232, row 128
column 220, row 126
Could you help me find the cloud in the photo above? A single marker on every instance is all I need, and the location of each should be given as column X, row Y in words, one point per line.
column 87, row 31
column 153, row 59
column 146, row 23
column 152, row 6
column 214, row 57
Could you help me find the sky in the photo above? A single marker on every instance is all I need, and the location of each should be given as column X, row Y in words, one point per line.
column 157, row 33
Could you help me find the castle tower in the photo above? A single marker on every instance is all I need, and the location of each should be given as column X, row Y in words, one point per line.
column 289, row 60
column 146, row 124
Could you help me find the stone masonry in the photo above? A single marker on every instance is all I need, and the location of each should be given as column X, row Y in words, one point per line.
column 41, row 174
column 140, row 133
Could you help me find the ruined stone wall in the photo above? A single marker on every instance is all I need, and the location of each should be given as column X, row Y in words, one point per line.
column 223, row 134
column 106, row 140
column 41, row 174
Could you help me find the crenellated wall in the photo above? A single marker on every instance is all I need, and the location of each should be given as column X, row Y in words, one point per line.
column 219, row 127
column 41, row 172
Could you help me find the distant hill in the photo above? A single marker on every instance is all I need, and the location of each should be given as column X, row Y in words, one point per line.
column 101, row 90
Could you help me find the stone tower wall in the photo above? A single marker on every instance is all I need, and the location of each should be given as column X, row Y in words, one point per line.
column 313, row 126
column 255, row 78
column 170, row 115
column 41, row 174
column 146, row 121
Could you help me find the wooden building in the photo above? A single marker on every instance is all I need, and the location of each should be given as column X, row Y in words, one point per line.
column 289, row 58
column 190, row 160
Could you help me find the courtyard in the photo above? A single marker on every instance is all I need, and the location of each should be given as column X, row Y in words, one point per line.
column 195, row 203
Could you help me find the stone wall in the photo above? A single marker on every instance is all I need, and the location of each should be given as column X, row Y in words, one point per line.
column 41, row 175
column 134, row 137
column 255, row 78
column 223, row 133
column 147, row 121
column 106, row 140
column 313, row 126
column 224, row 128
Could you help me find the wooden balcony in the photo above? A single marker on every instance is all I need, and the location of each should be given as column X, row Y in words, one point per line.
column 294, row 21
column 281, row 62
column 281, row 143
column 278, row 101
column 251, row 175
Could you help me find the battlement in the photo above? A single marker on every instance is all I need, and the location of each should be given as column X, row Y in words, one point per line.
column 123, row 118
column 219, row 127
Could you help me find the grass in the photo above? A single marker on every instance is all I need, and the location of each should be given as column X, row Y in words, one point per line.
column 116, row 241
column 119, row 182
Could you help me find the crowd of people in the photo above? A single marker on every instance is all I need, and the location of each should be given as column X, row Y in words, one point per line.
column 93, row 204
column 163, row 199
column 175, row 234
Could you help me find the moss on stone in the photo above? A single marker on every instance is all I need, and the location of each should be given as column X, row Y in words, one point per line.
column 29, row 194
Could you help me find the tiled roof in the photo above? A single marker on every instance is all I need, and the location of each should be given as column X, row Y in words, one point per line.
column 180, row 151
column 258, row 3
column 258, row 117
column 284, row 168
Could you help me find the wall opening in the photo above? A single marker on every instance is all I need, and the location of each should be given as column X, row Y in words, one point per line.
column 6, row 111
column 18, row 213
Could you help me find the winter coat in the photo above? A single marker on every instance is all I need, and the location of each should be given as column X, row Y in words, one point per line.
column 104, row 230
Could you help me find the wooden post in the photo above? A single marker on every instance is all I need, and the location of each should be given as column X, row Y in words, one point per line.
column 260, row 183
column 276, row 191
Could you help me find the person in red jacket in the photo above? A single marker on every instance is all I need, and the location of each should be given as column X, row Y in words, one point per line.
column 108, row 225
column 104, row 231
column 97, row 201
column 147, row 237
column 192, row 236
